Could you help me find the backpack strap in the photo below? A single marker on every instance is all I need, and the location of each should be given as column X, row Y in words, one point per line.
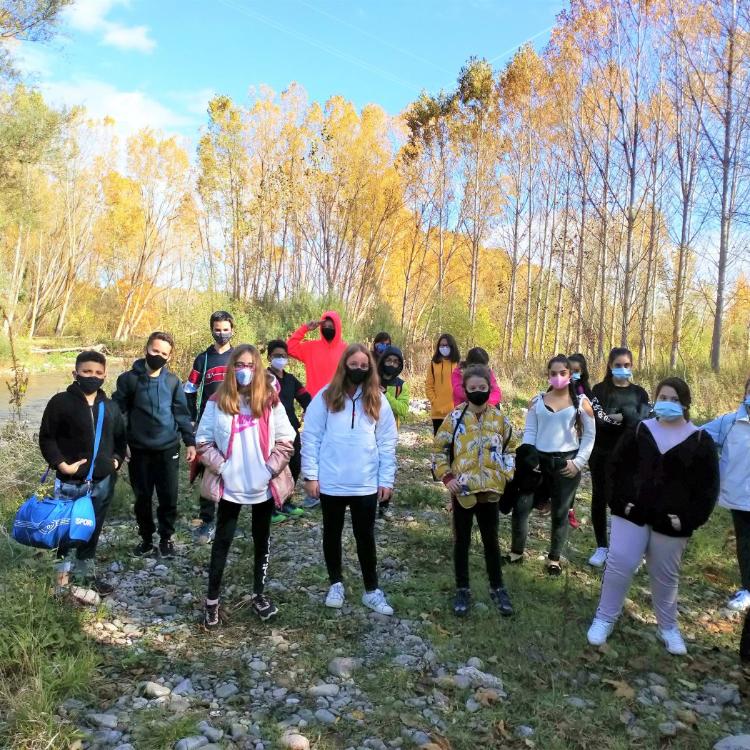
column 398, row 390
column 451, row 447
column 97, row 441
column 199, row 399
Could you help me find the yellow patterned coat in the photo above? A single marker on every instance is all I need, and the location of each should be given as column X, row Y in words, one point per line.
column 481, row 458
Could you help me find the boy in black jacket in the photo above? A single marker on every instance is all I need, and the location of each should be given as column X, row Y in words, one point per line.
column 66, row 440
column 204, row 380
column 290, row 390
column 152, row 399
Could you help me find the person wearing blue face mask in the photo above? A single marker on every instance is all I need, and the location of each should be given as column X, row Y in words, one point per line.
column 380, row 343
column 664, row 482
column 731, row 433
column 619, row 405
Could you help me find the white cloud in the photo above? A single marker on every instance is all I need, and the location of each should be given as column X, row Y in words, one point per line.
column 195, row 102
column 129, row 37
column 90, row 16
column 131, row 110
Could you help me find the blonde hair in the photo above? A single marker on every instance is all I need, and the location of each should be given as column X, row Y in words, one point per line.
column 262, row 393
column 334, row 395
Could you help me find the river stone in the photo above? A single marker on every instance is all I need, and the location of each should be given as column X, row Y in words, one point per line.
column 191, row 743
column 108, row 721
column 735, row 742
column 155, row 690
column 226, row 690
column 344, row 666
column 295, row 742
column 185, row 687
column 324, row 716
column 324, row 691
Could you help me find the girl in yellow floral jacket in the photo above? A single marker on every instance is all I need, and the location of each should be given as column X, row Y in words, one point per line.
column 471, row 459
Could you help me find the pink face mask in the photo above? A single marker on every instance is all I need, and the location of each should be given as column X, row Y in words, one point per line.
column 559, row 381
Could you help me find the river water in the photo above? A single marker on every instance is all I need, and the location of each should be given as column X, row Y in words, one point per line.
column 42, row 386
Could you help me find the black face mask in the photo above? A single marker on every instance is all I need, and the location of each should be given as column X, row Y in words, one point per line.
column 89, row 384
column 222, row 337
column 328, row 333
column 356, row 376
column 155, row 361
column 478, row 397
column 391, row 370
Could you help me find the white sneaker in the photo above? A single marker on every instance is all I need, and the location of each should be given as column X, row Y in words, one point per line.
column 599, row 632
column 740, row 601
column 673, row 641
column 335, row 598
column 376, row 601
column 599, row 557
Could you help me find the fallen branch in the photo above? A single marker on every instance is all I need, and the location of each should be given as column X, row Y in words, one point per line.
column 87, row 348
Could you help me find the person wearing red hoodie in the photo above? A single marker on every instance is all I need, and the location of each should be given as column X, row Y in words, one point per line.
column 320, row 356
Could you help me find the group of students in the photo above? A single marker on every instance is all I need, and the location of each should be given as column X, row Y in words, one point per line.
column 655, row 470
column 659, row 474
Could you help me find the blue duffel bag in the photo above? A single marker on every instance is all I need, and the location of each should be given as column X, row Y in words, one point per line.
column 49, row 522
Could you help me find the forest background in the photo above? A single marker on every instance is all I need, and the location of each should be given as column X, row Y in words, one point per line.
column 590, row 194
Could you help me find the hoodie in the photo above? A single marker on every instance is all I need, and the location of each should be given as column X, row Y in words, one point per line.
column 155, row 408
column 396, row 389
column 459, row 395
column 320, row 357
column 68, row 429
column 348, row 452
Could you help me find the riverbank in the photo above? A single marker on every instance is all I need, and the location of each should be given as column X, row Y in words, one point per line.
column 137, row 672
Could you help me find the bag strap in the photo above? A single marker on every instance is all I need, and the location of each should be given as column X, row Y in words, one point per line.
column 451, row 447
column 199, row 400
column 97, row 440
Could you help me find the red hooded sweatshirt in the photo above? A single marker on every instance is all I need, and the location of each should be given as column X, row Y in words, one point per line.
column 319, row 356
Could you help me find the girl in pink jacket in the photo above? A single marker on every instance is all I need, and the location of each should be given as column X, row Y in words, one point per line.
column 475, row 356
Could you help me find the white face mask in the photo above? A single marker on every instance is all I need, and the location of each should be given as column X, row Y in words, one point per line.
column 445, row 351
column 279, row 363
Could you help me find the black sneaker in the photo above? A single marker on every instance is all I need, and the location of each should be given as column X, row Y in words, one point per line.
column 462, row 602
column 211, row 616
column 513, row 558
column 100, row 586
column 554, row 568
column 264, row 607
column 502, row 601
column 144, row 549
column 166, row 548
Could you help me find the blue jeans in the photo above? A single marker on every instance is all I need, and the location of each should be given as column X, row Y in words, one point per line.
column 101, row 496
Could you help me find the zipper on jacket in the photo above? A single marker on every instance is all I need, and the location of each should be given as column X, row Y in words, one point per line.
column 354, row 404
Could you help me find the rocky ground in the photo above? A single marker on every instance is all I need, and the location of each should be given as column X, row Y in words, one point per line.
column 354, row 679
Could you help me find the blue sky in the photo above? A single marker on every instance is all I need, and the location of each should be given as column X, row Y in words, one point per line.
column 157, row 62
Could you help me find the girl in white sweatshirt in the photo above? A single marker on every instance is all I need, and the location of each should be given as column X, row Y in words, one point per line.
column 560, row 425
column 349, row 460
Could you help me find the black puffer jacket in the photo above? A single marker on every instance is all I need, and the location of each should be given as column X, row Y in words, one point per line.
column 683, row 482
column 67, row 433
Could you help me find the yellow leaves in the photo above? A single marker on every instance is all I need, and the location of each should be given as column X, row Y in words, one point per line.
column 622, row 689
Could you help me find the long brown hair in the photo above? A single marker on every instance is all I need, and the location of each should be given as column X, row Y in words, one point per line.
column 262, row 393
column 334, row 395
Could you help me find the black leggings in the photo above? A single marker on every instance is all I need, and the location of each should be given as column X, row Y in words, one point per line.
column 363, row 510
column 488, row 520
column 598, row 468
column 741, row 520
column 562, row 492
column 226, row 524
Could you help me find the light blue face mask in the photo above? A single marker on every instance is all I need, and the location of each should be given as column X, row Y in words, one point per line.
column 622, row 372
column 668, row 410
column 244, row 376
column 575, row 376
